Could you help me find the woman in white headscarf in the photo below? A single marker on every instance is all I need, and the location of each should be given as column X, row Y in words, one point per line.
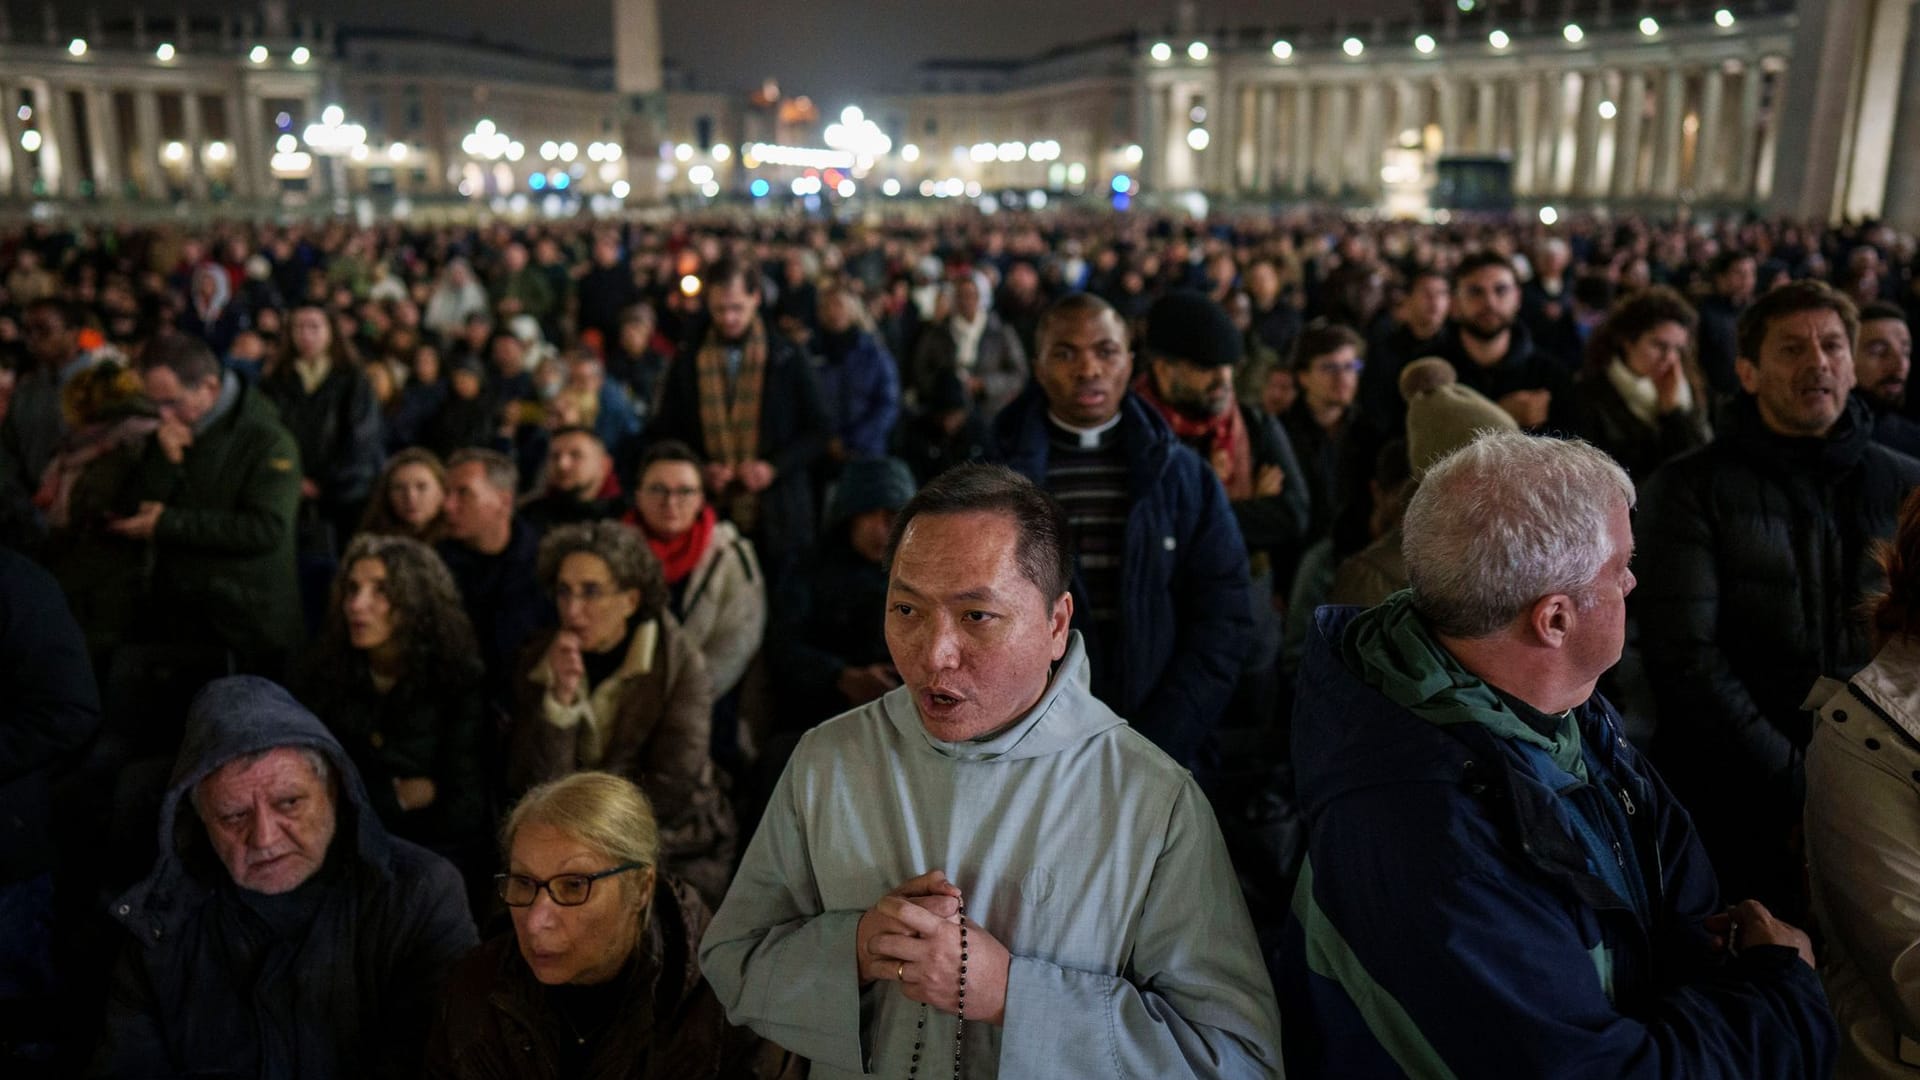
column 456, row 295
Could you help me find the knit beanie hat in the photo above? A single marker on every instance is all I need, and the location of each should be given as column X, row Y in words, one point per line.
column 882, row 483
column 1442, row 415
column 1190, row 326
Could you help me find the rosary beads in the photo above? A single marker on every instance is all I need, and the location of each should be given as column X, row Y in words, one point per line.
column 960, row 1026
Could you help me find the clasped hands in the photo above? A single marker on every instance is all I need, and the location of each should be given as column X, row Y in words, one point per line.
column 912, row 937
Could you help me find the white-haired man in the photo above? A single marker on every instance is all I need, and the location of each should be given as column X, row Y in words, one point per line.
column 1497, row 884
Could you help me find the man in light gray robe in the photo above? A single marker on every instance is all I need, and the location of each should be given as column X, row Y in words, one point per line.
column 1106, row 933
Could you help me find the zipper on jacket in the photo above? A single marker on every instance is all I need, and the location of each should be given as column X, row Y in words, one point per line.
column 1626, row 801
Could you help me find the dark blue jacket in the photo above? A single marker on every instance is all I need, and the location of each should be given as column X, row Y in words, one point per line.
column 1447, row 923
column 860, row 389
column 1184, row 580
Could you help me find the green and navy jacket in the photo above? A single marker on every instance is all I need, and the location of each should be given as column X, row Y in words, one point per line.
column 1484, row 898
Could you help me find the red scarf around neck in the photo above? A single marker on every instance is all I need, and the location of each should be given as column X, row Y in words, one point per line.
column 679, row 555
column 1228, row 449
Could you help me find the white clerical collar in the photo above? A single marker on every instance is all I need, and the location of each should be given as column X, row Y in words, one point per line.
column 1089, row 437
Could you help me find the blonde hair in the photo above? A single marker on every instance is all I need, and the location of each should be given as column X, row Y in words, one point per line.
column 601, row 810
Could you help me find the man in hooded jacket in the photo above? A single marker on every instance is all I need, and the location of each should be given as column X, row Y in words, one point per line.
column 1497, row 884
column 282, row 933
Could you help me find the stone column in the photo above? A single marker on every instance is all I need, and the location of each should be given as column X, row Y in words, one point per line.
column 1263, row 138
column 1452, row 138
column 1526, row 134
column 1368, row 131
column 13, row 160
column 60, row 121
column 1709, row 145
column 1146, row 109
column 1670, row 114
column 145, row 160
column 1746, row 136
column 1546, row 149
column 193, row 134
column 1587, row 180
column 1219, row 172
column 1839, row 47
column 103, row 144
column 1902, row 204
column 1335, row 136
column 1300, row 162
column 1486, row 119
column 244, row 131
column 1626, row 135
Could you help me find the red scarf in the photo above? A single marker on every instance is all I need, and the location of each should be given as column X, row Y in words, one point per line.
column 1228, row 448
column 679, row 555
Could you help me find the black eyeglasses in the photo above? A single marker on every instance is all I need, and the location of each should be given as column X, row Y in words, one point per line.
column 567, row 890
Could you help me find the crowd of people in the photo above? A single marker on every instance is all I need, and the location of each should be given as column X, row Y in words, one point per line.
column 1342, row 647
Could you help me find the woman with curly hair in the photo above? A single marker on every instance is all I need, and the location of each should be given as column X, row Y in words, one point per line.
column 1641, row 396
column 618, row 687
column 397, row 678
column 407, row 498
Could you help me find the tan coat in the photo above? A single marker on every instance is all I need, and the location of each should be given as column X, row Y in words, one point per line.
column 651, row 721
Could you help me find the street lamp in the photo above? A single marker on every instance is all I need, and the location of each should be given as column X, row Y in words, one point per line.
column 333, row 138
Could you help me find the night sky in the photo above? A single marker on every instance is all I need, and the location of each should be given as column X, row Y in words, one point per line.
column 832, row 49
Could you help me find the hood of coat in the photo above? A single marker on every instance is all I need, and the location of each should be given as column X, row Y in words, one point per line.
column 1389, row 648
column 1066, row 715
column 1349, row 735
column 233, row 717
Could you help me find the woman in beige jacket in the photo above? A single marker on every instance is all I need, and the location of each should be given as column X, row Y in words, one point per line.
column 618, row 687
column 1863, row 830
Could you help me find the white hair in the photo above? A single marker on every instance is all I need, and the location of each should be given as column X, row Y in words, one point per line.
column 1505, row 520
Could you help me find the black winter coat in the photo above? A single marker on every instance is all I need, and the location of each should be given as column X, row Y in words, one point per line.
column 337, row 427
column 1601, row 417
column 53, row 707
column 1754, row 554
column 435, row 727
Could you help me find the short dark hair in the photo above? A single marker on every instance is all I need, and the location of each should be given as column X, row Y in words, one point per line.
column 730, row 270
column 1480, row 260
column 1718, row 266
column 1072, row 305
column 1042, row 552
column 188, row 357
column 1320, row 338
column 500, row 470
column 1791, row 299
column 1879, row 310
column 668, row 450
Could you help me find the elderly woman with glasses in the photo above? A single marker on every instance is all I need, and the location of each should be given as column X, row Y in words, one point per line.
column 600, row 976
column 618, row 687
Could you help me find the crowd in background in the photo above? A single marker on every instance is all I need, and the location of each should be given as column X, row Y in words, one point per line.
column 500, row 503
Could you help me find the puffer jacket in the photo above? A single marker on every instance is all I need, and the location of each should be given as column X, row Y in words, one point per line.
column 497, row 1021
column 1754, row 553
column 1187, row 624
column 1452, row 922
column 1863, row 853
